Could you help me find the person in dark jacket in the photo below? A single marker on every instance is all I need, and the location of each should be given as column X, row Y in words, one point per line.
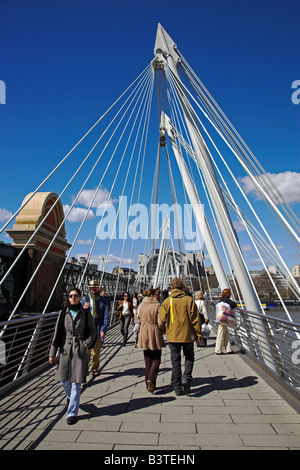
column 223, row 340
column 74, row 334
column 99, row 306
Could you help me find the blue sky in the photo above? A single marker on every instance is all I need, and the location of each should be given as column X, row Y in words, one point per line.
column 64, row 62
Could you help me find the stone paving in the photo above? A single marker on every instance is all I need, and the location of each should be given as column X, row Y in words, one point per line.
column 230, row 407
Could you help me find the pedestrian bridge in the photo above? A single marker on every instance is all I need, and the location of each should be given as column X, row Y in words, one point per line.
column 234, row 404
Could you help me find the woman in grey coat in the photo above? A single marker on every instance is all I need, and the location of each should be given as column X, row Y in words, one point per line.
column 74, row 333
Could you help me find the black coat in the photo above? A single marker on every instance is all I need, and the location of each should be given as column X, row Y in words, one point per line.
column 228, row 301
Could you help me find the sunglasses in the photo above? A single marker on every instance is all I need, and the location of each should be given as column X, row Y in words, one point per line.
column 73, row 296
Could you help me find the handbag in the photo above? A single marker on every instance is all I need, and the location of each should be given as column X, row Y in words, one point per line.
column 206, row 330
column 224, row 315
column 136, row 327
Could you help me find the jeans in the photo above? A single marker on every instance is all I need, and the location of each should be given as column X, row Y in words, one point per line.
column 73, row 393
column 177, row 377
column 124, row 322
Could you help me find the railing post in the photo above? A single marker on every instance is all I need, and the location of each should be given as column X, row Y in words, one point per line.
column 26, row 359
column 249, row 343
column 274, row 349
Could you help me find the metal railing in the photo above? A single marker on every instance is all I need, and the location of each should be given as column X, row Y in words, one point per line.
column 273, row 342
column 25, row 344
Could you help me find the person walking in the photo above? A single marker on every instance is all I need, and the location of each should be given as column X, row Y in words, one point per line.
column 100, row 311
column 74, row 333
column 136, row 320
column 126, row 314
column 183, row 326
column 200, row 302
column 135, row 303
column 164, row 294
column 151, row 337
column 223, row 339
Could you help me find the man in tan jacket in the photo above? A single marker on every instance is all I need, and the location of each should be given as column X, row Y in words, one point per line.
column 183, row 326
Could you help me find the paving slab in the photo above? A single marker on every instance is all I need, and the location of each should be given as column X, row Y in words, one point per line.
column 230, row 407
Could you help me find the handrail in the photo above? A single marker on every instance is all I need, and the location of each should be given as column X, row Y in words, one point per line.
column 24, row 346
column 269, row 340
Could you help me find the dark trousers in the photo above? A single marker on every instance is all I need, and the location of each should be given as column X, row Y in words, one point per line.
column 152, row 363
column 177, row 377
column 124, row 322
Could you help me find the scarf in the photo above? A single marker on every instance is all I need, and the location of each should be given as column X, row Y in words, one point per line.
column 74, row 309
column 94, row 298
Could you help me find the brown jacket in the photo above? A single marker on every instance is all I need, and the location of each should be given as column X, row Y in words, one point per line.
column 130, row 306
column 151, row 326
column 183, row 324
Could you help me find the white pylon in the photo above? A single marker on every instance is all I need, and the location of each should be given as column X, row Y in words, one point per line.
column 166, row 53
column 165, row 126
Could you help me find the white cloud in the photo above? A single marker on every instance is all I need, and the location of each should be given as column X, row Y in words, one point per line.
column 77, row 214
column 5, row 215
column 111, row 260
column 279, row 247
column 238, row 225
column 256, row 262
column 287, row 183
column 84, row 242
column 101, row 198
column 246, row 247
column 117, row 261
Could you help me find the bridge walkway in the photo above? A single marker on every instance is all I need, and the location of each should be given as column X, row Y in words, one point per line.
column 230, row 406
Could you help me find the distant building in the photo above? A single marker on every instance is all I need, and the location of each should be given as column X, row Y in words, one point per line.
column 264, row 286
column 189, row 266
column 82, row 262
column 129, row 273
column 296, row 270
column 210, row 270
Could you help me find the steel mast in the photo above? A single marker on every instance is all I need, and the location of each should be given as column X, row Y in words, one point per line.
column 166, row 54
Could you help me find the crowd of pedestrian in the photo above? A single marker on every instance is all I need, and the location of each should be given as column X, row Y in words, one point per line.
column 81, row 327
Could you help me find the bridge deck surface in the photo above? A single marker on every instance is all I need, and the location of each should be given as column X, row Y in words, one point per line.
column 230, row 407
